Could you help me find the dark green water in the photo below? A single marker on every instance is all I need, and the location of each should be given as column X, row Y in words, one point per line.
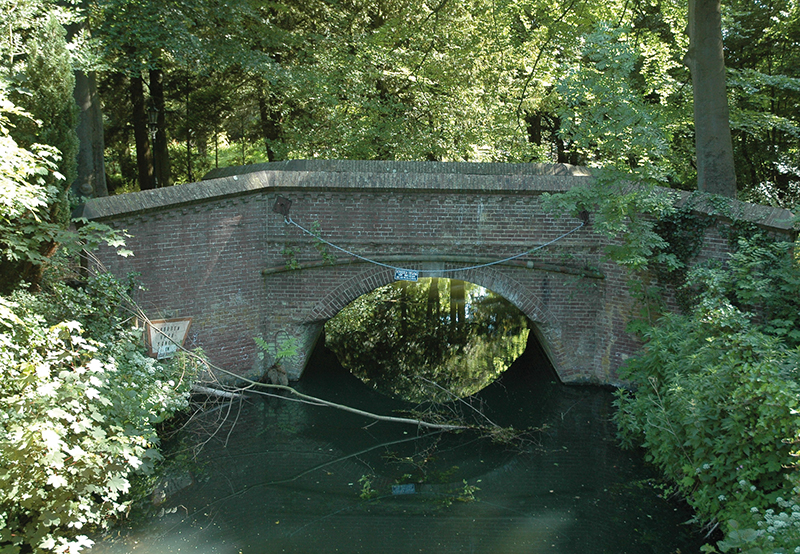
column 284, row 478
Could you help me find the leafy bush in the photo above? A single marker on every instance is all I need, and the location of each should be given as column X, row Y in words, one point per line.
column 760, row 531
column 29, row 192
column 79, row 401
column 77, row 420
column 716, row 395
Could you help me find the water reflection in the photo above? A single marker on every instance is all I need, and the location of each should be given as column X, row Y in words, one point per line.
column 282, row 476
column 428, row 340
column 287, row 477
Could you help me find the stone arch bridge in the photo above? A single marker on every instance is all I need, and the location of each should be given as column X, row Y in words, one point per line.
column 221, row 252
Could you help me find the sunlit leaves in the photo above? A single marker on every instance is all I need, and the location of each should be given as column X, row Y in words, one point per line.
column 762, row 57
column 76, row 421
column 616, row 97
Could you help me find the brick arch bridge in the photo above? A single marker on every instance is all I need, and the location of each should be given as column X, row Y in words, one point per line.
column 221, row 252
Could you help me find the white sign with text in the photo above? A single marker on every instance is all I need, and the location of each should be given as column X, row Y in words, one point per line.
column 164, row 336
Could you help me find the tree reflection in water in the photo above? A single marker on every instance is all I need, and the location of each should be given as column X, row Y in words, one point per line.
column 429, row 340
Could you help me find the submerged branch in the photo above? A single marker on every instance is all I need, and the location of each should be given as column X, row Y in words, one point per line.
column 340, row 459
column 460, row 400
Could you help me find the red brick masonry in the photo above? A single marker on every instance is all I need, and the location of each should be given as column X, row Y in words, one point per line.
column 215, row 251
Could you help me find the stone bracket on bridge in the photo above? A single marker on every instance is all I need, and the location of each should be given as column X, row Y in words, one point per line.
column 282, row 206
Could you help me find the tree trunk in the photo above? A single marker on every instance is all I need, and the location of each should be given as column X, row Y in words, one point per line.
column 403, row 285
column 715, row 168
column 144, row 156
column 533, row 125
column 161, row 151
column 270, row 121
column 91, row 180
column 189, row 132
column 91, row 177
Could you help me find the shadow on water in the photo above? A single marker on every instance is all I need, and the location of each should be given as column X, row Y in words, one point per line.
column 291, row 477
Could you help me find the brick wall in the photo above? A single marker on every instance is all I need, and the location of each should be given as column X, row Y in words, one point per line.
column 215, row 251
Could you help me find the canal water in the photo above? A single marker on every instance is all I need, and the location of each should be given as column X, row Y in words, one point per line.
column 282, row 476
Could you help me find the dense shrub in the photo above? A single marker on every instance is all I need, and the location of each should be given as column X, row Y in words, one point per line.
column 79, row 401
column 716, row 397
column 77, row 420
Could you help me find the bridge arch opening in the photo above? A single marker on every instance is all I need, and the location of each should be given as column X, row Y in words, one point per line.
column 437, row 339
column 545, row 329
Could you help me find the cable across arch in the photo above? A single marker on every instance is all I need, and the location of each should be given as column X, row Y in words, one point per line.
column 289, row 221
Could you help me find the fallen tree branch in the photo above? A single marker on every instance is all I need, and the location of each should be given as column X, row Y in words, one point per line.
column 252, row 385
column 460, row 400
column 392, row 419
column 200, row 389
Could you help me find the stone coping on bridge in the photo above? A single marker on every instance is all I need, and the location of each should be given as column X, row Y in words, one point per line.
column 331, row 175
column 253, row 179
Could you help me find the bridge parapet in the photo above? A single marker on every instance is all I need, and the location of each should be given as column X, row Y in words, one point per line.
column 217, row 252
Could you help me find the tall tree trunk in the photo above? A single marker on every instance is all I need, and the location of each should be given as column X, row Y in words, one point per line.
column 91, row 177
column 715, row 168
column 189, row 132
column 91, row 180
column 161, row 151
column 144, row 156
column 457, row 303
column 533, row 125
column 270, row 120
column 403, row 285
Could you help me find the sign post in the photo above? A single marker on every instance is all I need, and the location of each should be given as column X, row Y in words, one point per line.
column 164, row 336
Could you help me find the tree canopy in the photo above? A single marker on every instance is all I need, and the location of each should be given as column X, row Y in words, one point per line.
column 601, row 84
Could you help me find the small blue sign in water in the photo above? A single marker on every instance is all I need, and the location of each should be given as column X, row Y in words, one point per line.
column 406, row 275
column 404, row 489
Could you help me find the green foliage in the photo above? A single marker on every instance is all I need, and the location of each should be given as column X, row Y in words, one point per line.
column 320, row 246
column 716, row 392
column 49, row 83
column 763, row 89
column 615, row 110
column 774, row 530
column 78, row 420
column 761, row 279
column 25, row 190
column 29, row 192
column 277, row 351
column 625, row 213
column 291, row 258
column 517, row 81
column 467, row 493
column 399, row 80
column 683, row 232
column 41, row 83
column 367, row 492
